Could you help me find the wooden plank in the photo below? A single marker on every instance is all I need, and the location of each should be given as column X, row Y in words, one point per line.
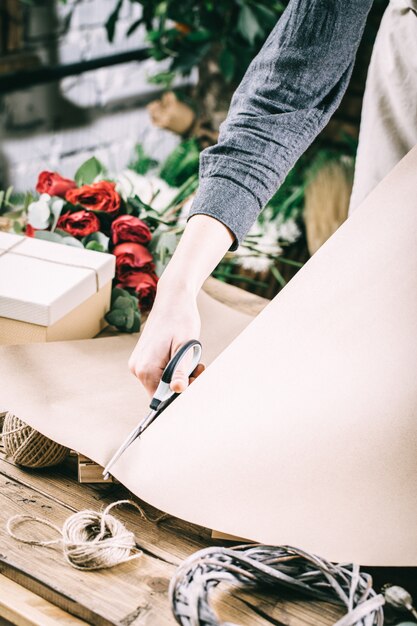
column 115, row 596
column 91, row 472
column 173, row 540
column 24, row 608
column 133, row 593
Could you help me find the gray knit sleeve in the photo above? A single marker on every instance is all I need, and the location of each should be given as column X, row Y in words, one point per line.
column 286, row 97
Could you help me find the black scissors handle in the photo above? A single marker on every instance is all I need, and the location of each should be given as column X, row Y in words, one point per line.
column 164, row 391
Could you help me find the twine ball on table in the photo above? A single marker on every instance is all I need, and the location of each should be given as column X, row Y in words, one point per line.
column 28, row 447
column 91, row 540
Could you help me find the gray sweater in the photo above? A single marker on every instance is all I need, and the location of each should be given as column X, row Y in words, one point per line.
column 286, row 97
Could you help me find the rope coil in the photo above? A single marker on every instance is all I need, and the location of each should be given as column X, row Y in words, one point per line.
column 90, row 540
column 271, row 566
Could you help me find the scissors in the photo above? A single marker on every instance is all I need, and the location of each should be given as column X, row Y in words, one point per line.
column 161, row 399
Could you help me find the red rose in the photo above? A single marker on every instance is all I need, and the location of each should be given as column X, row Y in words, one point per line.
column 100, row 196
column 132, row 256
column 129, row 228
column 29, row 231
column 144, row 285
column 79, row 224
column 54, row 184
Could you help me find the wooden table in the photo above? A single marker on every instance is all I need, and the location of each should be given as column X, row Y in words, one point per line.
column 37, row 587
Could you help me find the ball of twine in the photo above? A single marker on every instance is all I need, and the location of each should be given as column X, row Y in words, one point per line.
column 90, row 540
column 28, row 447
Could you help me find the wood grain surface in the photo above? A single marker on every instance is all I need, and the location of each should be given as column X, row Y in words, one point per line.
column 133, row 593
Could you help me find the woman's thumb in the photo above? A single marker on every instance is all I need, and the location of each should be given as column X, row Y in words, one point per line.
column 180, row 377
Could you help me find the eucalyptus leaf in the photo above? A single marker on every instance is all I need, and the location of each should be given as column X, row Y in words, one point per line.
column 136, row 323
column 46, row 235
column 162, row 246
column 115, row 318
column 72, row 241
column 130, row 318
column 123, row 302
column 116, row 292
column 39, row 212
column 88, row 172
column 56, row 210
column 94, row 245
column 99, row 239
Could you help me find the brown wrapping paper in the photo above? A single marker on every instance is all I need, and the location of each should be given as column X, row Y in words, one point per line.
column 303, row 431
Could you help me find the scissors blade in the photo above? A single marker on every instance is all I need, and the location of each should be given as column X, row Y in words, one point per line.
column 134, row 434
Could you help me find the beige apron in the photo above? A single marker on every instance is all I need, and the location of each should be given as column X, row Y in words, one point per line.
column 389, row 114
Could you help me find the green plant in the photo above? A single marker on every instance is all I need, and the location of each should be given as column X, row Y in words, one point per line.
column 142, row 162
column 189, row 32
column 123, row 314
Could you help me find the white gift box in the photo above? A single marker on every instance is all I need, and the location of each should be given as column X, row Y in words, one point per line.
column 50, row 291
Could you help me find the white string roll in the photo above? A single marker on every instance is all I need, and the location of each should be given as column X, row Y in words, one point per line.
column 90, row 540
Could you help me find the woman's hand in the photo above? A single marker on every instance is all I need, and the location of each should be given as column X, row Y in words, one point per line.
column 174, row 319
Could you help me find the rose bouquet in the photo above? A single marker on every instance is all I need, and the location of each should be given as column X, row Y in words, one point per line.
column 109, row 215
column 138, row 216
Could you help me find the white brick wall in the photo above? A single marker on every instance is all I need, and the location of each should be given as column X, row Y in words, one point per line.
column 58, row 126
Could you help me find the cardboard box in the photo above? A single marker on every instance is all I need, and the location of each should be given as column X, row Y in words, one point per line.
column 50, row 291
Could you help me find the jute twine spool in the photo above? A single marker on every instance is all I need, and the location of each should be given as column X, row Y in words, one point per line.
column 90, row 540
column 27, row 447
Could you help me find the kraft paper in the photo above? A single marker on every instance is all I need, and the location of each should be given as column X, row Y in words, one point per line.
column 302, row 431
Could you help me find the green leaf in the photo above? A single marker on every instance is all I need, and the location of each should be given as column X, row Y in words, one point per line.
column 130, row 318
column 94, row 245
column 99, row 241
column 227, row 64
column 72, row 241
column 115, row 318
column 278, row 276
column 9, row 192
column 123, row 302
column 248, row 25
column 134, row 27
column 88, row 172
column 140, row 207
column 136, row 323
column 116, row 292
column 162, row 247
column 56, row 210
column 143, row 162
column 199, row 35
column 46, row 235
column 162, row 79
column 182, row 163
column 111, row 22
